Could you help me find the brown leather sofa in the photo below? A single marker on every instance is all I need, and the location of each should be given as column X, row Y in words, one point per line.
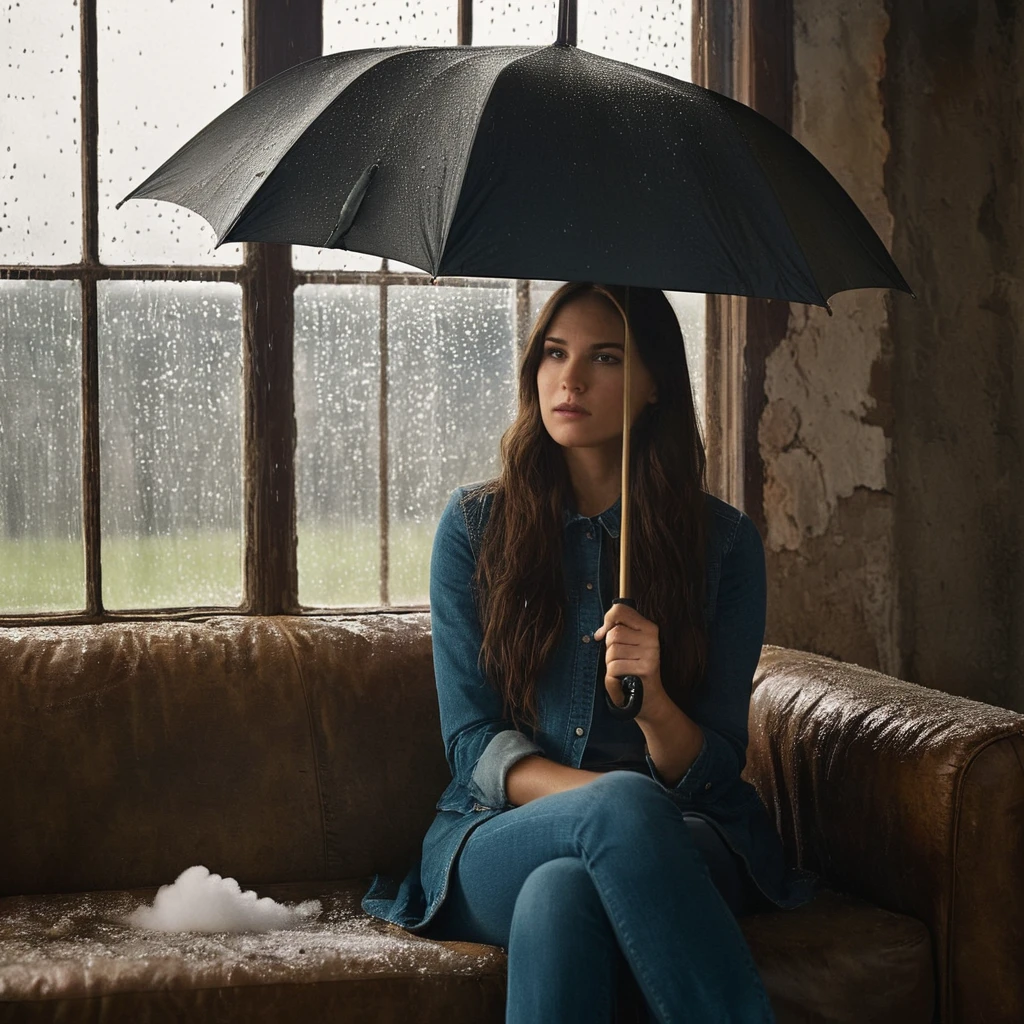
column 301, row 755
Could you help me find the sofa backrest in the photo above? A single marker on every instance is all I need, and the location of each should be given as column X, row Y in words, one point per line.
column 268, row 749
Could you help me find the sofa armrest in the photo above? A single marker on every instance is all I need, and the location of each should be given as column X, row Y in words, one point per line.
column 910, row 798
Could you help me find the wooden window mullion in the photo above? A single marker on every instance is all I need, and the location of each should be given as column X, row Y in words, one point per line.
column 384, row 515
column 521, row 321
column 90, row 332
column 278, row 35
column 742, row 48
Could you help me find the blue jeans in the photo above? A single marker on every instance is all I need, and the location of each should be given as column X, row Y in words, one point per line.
column 571, row 882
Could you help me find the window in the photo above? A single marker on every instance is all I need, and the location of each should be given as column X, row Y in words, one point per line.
column 120, row 330
column 157, row 458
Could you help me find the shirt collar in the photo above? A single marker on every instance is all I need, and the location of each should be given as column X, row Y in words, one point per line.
column 610, row 518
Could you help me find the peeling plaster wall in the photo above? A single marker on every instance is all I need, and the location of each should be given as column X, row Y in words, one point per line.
column 891, row 434
column 955, row 101
column 825, row 435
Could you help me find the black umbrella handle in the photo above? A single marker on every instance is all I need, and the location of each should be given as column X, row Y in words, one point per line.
column 632, row 686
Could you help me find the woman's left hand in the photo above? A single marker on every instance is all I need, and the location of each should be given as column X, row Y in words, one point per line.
column 632, row 648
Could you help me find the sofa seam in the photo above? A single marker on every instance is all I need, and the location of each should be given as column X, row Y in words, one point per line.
column 185, row 989
column 945, row 1007
column 312, row 740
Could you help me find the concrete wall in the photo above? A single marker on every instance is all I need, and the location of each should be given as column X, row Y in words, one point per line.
column 891, row 437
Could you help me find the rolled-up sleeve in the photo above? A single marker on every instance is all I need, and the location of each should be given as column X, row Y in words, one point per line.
column 722, row 704
column 480, row 744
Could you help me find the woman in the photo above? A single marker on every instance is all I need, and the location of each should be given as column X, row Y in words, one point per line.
column 572, row 838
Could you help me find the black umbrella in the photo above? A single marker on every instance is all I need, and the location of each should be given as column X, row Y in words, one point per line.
column 542, row 162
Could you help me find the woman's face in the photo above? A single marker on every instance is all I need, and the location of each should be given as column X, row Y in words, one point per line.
column 581, row 366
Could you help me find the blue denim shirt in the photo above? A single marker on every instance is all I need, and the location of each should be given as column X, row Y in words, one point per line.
column 481, row 746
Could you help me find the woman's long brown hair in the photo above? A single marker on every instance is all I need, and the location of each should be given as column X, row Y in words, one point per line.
column 518, row 582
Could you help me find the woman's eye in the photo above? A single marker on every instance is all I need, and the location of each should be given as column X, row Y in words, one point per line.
column 606, row 357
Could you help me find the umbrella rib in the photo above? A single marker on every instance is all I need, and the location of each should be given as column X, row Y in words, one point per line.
column 782, row 209
column 660, row 79
column 469, row 150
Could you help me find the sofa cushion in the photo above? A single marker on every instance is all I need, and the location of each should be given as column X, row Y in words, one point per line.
column 66, row 957
column 842, row 960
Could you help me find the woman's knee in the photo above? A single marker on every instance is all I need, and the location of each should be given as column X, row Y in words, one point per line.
column 630, row 799
column 561, row 887
column 633, row 783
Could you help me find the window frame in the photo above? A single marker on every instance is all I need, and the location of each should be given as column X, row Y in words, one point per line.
column 744, row 49
column 276, row 35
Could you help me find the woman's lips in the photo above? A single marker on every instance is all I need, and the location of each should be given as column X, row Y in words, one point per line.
column 571, row 413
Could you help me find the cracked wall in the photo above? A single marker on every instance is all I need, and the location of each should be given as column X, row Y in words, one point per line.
column 891, row 432
column 825, row 435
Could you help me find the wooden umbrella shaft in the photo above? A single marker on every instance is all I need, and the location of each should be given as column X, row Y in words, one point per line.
column 632, row 686
column 624, row 580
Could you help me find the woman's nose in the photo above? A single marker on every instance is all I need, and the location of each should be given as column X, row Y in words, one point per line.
column 572, row 377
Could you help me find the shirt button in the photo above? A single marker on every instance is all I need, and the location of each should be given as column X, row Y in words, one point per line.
column 707, row 785
column 585, row 638
column 590, row 586
column 590, row 534
column 579, row 730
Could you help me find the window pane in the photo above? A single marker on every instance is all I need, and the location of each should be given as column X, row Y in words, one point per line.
column 166, row 69
column 40, row 106
column 690, row 311
column 337, row 402
column 540, row 292
column 42, row 556
column 451, row 396
column 650, row 35
column 498, row 23
column 170, row 444
column 305, row 257
column 356, row 26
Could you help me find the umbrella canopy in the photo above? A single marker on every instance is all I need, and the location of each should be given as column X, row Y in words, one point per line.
column 527, row 162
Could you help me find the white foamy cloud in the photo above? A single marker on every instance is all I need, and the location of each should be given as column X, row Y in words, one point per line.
column 199, row 901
